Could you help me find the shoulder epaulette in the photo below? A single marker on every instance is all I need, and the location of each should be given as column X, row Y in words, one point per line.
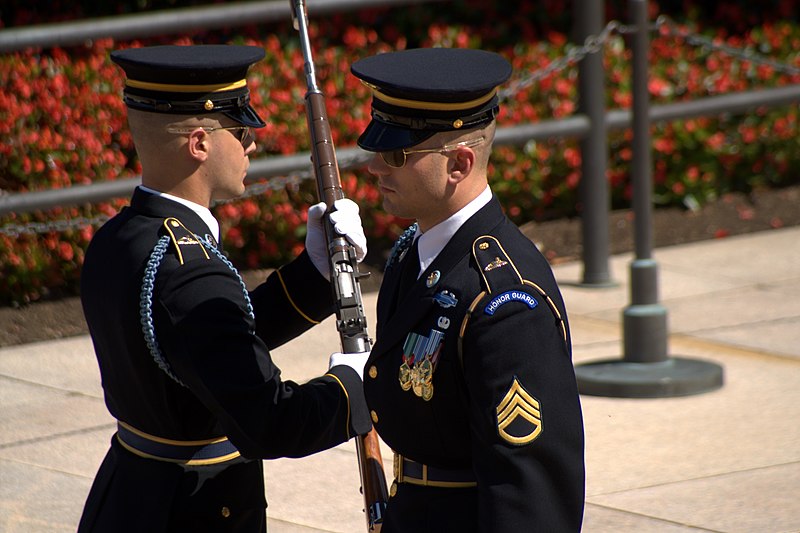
column 496, row 267
column 187, row 245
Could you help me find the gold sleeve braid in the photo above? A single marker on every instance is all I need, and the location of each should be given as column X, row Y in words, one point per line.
column 291, row 301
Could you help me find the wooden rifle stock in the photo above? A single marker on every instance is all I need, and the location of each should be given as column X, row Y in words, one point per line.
column 351, row 321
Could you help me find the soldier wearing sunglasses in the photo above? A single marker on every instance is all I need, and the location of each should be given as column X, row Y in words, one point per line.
column 183, row 346
column 470, row 380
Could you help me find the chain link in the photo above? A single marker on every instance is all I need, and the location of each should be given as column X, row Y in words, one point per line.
column 574, row 55
column 744, row 54
column 59, row 226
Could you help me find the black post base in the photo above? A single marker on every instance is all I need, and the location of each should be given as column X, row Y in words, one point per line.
column 674, row 377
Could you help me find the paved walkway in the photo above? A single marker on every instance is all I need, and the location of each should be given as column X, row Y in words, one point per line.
column 724, row 461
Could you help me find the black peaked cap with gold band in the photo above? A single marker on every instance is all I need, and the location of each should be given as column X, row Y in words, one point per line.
column 419, row 92
column 190, row 80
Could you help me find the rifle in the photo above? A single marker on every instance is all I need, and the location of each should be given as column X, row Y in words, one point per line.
column 350, row 319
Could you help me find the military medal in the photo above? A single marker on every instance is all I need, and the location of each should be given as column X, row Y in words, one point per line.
column 420, row 354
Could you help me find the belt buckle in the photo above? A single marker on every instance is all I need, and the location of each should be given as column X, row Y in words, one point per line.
column 398, row 467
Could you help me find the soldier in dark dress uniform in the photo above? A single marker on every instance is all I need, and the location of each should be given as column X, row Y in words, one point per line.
column 183, row 347
column 470, row 380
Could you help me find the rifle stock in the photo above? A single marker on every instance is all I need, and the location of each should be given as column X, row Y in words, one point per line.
column 351, row 320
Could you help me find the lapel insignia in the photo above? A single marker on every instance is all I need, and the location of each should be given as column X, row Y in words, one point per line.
column 420, row 354
column 433, row 279
column 445, row 299
column 519, row 416
column 497, row 263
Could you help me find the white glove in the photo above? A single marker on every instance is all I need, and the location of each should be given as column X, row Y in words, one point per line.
column 356, row 361
column 345, row 221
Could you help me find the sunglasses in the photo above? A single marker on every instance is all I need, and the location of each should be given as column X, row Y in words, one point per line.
column 397, row 158
column 243, row 134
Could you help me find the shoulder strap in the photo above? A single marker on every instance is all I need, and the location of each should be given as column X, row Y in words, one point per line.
column 186, row 243
column 498, row 271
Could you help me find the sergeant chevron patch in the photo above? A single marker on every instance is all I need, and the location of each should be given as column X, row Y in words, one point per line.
column 519, row 417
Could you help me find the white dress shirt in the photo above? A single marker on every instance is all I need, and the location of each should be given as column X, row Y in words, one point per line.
column 434, row 240
column 203, row 212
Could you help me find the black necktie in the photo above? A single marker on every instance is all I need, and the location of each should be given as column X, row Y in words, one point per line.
column 410, row 270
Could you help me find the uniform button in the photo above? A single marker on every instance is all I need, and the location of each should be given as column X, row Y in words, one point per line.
column 225, row 512
column 373, row 372
column 374, row 416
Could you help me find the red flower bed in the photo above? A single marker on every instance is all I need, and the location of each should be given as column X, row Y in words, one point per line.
column 62, row 123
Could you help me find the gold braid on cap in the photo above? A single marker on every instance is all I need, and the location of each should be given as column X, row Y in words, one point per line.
column 175, row 88
column 432, row 106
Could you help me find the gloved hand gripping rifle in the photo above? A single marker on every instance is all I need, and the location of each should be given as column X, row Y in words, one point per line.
column 350, row 319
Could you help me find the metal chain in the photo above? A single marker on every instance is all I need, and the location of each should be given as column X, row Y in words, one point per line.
column 592, row 44
column 744, row 54
column 15, row 230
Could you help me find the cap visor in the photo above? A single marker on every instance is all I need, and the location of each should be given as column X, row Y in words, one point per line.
column 382, row 137
column 246, row 116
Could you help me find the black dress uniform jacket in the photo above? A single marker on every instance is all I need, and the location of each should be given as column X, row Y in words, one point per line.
column 229, row 385
column 501, row 408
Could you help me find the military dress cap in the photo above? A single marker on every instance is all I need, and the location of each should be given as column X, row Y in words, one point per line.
column 190, row 80
column 419, row 92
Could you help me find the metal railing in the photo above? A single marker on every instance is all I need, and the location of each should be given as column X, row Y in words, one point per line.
column 179, row 20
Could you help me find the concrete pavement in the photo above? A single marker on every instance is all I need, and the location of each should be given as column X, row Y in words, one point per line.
column 725, row 461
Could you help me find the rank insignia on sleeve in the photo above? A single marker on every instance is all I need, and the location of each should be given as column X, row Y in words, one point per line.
column 519, row 416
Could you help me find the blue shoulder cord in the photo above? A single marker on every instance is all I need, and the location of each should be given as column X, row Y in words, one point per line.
column 146, row 299
column 402, row 243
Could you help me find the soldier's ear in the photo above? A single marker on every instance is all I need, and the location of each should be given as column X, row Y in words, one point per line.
column 461, row 163
column 199, row 144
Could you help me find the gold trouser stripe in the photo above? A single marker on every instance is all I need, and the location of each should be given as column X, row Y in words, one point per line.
column 179, row 88
column 289, row 297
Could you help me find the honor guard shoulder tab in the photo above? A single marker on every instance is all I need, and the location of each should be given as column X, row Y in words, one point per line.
column 495, row 266
column 187, row 245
